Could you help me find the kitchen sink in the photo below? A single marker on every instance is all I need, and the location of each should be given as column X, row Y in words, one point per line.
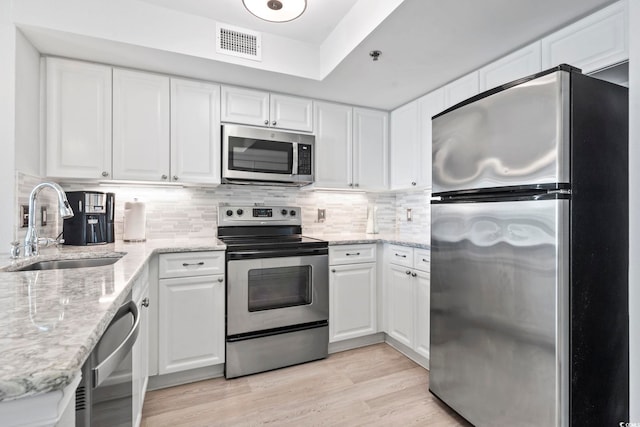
column 59, row 264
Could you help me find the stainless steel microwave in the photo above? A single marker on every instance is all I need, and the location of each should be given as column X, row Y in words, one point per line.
column 265, row 156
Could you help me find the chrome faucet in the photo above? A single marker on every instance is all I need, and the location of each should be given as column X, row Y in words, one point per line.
column 31, row 239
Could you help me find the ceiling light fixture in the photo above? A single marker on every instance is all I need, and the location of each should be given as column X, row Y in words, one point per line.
column 375, row 54
column 276, row 10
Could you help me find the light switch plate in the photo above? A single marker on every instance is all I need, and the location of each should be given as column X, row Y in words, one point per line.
column 409, row 215
column 24, row 215
column 322, row 215
column 43, row 216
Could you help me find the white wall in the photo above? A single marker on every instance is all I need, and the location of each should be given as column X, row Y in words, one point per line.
column 634, row 207
column 7, row 124
column 27, row 106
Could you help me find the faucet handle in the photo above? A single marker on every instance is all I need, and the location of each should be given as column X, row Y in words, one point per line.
column 15, row 249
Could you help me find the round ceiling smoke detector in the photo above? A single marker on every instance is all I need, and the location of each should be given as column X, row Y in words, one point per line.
column 375, row 54
column 276, row 10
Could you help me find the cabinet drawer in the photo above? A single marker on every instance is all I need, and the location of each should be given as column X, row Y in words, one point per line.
column 422, row 260
column 185, row 264
column 352, row 254
column 401, row 255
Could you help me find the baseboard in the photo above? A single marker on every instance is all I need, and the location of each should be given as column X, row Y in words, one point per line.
column 410, row 353
column 350, row 344
column 157, row 382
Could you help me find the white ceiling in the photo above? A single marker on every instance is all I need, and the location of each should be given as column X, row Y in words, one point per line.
column 425, row 44
column 317, row 22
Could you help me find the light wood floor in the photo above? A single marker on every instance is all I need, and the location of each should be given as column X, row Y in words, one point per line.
column 372, row 386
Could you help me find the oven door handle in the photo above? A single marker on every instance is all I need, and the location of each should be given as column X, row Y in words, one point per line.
column 276, row 253
column 111, row 362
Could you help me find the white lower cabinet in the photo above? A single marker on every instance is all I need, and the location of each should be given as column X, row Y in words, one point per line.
column 140, row 368
column 352, row 291
column 191, row 312
column 407, row 297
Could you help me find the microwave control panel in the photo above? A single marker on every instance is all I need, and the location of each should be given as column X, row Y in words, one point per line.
column 304, row 159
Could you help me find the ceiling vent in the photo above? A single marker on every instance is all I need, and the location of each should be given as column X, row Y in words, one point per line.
column 239, row 42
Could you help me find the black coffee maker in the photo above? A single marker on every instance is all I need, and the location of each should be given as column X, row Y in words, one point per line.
column 92, row 222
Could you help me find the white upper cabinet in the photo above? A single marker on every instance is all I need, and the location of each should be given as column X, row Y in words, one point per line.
column 410, row 153
column 595, row 42
column 291, row 112
column 405, row 147
column 333, row 145
column 370, row 149
column 195, row 132
column 258, row 108
column 78, row 123
column 140, row 126
column 461, row 89
column 521, row 63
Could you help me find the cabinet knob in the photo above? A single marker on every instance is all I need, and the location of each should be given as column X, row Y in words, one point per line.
column 220, row 279
column 407, row 272
column 175, row 177
column 333, row 270
column 413, row 183
column 273, row 123
column 145, row 302
column 105, row 173
column 350, row 184
column 414, row 274
column 357, row 185
column 164, row 177
column 266, row 122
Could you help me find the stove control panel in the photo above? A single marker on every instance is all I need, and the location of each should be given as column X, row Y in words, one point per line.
column 259, row 215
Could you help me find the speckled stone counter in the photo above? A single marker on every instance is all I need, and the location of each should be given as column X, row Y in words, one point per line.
column 51, row 320
column 415, row 241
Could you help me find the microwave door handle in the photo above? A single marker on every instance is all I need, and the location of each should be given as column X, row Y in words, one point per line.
column 294, row 167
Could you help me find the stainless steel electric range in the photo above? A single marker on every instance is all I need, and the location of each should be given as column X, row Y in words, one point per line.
column 277, row 289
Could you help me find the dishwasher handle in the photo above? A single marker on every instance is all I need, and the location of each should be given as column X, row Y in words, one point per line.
column 111, row 362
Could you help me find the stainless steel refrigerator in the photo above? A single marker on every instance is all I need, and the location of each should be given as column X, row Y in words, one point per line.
column 529, row 241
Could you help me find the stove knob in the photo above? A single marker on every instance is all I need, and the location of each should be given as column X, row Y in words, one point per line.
column 239, row 211
column 229, row 212
column 292, row 213
column 283, row 212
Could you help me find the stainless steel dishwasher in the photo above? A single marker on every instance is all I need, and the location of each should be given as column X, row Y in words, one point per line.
column 104, row 396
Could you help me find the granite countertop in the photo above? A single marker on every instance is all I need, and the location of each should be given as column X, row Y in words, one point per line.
column 415, row 241
column 51, row 320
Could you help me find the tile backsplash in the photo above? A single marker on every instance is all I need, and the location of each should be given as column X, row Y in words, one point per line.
column 176, row 211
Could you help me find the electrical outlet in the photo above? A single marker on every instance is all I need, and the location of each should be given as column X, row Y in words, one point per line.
column 409, row 216
column 43, row 216
column 24, row 215
column 322, row 215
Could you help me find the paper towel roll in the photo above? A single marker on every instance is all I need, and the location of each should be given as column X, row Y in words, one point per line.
column 135, row 221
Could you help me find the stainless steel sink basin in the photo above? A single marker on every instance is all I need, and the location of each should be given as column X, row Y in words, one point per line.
column 69, row 263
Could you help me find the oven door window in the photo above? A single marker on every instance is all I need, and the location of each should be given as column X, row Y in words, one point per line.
column 273, row 288
column 257, row 155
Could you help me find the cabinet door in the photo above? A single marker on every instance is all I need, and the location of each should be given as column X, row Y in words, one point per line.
column 461, row 89
column 595, row 42
column 246, row 106
column 428, row 106
column 334, row 145
column 352, row 309
column 195, row 132
column 191, row 323
column 78, row 129
column 516, row 65
column 422, row 316
column 140, row 371
column 140, row 126
column 291, row 112
column 370, row 149
column 400, row 304
column 404, row 154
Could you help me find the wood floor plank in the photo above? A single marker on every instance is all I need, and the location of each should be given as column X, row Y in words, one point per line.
column 372, row 386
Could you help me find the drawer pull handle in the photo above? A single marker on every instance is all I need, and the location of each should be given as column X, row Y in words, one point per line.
column 425, row 260
column 401, row 256
column 220, row 279
column 186, row 264
column 407, row 272
column 414, row 274
column 333, row 270
column 355, row 254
